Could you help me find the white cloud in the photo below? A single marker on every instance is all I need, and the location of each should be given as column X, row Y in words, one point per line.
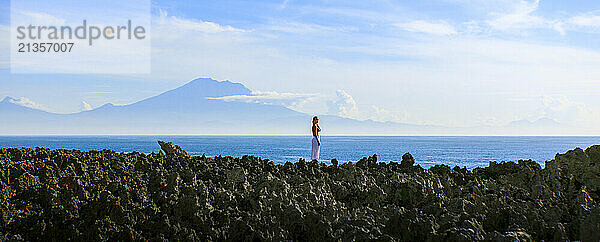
column 383, row 115
column 563, row 110
column 585, row 20
column 520, row 18
column 344, row 105
column 26, row 102
column 473, row 27
column 465, row 67
column 304, row 28
column 420, row 26
column 86, row 106
column 287, row 99
column 523, row 17
column 196, row 25
column 506, row 16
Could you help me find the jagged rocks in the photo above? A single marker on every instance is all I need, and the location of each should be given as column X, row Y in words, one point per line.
column 334, row 162
column 171, row 149
column 584, row 166
column 104, row 195
column 407, row 160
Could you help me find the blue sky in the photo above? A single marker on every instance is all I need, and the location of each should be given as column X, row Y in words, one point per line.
column 449, row 62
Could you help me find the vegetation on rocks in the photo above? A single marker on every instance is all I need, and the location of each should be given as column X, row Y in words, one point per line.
column 105, row 195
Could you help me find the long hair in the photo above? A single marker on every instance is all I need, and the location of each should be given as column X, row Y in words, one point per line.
column 314, row 119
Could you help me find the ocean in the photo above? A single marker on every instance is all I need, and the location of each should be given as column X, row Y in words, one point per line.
column 463, row 151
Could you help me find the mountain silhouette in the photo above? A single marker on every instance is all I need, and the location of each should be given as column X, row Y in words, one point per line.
column 541, row 122
column 193, row 110
column 189, row 109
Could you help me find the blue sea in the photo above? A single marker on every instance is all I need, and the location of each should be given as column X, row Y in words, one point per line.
column 463, row 151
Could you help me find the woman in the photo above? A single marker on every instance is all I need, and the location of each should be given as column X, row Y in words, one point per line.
column 316, row 140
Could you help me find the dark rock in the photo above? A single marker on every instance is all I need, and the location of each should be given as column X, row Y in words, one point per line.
column 407, row 160
column 440, row 169
column 171, row 149
column 104, row 195
column 334, row 162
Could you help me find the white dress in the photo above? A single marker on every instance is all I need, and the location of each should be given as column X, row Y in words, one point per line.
column 316, row 148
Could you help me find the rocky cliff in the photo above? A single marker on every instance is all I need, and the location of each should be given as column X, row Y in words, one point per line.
column 105, row 195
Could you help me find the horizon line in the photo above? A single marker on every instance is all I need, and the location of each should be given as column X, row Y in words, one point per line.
column 298, row 135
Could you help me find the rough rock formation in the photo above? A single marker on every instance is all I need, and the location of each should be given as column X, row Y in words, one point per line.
column 105, row 195
column 172, row 150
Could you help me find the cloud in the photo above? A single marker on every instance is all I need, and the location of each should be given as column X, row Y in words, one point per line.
column 86, row 106
column 341, row 104
column 26, row 102
column 344, row 105
column 585, row 20
column 563, row 110
column 196, row 25
column 287, row 99
column 465, row 67
column 420, row 26
column 506, row 16
column 303, row 28
column 383, row 115
column 481, row 65
column 523, row 17
column 520, row 18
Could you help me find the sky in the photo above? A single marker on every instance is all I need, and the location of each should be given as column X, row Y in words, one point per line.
column 456, row 63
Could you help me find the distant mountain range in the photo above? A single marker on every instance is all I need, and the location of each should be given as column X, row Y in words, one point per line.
column 192, row 110
column 542, row 122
